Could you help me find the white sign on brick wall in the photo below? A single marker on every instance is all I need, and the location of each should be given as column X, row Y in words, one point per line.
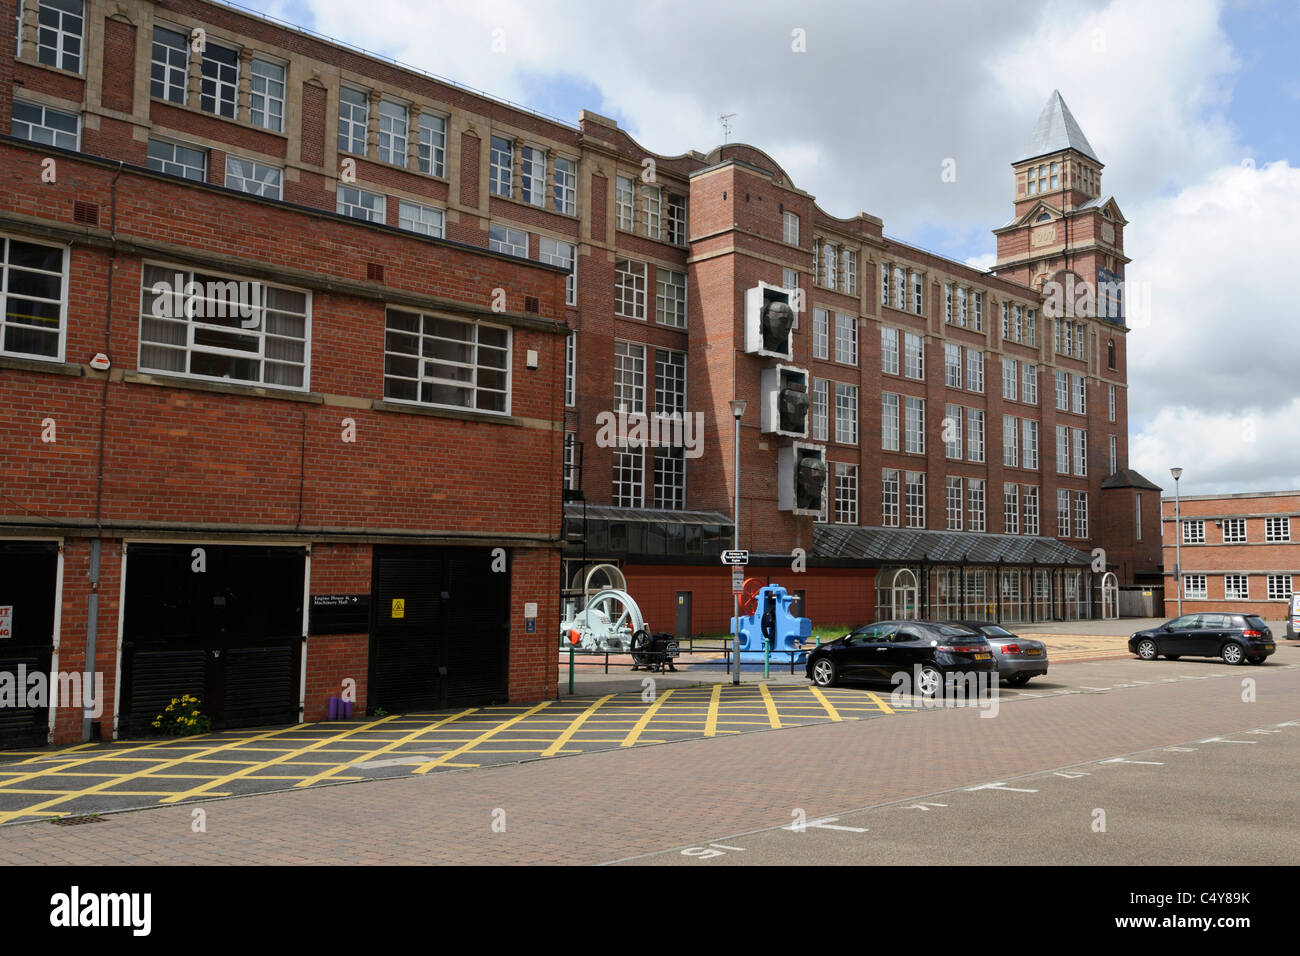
column 6, row 621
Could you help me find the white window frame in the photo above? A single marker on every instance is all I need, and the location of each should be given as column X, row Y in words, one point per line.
column 954, row 502
column 954, row 449
column 223, row 81
column 6, row 266
column 976, row 503
column 1236, row 587
column 846, row 339
column 1029, row 443
column 354, row 121
column 1193, row 530
column 1010, row 387
column 1277, row 528
column 629, row 377
column 975, row 370
column 975, row 446
column 176, row 77
column 846, row 413
column 507, row 240
column 914, row 425
column 421, row 219
column 1279, row 587
column 1062, row 512
column 1080, row 438
column 241, row 172
column 952, row 365
column 1195, row 587
column 533, row 182
column 625, row 203
column 889, row 355
column 178, row 167
column 1234, row 530
column 1011, row 509
column 351, row 200
column 670, row 298
column 1029, row 383
column 39, row 129
column 67, row 26
column 914, row 498
column 821, row 334
column 1030, row 499
column 426, row 342
column 564, row 200
column 790, row 228
column 653, row 197
column 889, row 497
column 630, row 276
column 913, row 356
column 563, row 254
column 265, row 106
column 394, row 131
column 1010, row 441
column 501, row 166
column 431, row 145
column 820, row 409
column 890, row 419
column 846, row 493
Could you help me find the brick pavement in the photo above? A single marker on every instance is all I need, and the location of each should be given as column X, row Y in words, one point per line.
column 606, row 806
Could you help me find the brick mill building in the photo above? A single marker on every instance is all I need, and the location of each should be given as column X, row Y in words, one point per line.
column 1240, row 552
column 304, row 356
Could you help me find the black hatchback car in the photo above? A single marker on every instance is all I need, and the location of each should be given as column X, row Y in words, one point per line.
column 1237, row 638
column 927, row 651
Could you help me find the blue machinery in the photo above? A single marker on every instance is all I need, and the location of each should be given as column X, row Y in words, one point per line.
column 772, row 601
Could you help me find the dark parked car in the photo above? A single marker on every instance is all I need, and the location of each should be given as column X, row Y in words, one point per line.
column 927, row 651
column 1019, row 658
column 1237, row 638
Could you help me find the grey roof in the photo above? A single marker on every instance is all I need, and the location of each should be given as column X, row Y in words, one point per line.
column 1128, row 478
column 1056, row 130
column 655, row 515
column 936, row 547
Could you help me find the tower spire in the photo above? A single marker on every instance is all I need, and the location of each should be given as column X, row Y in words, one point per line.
column 1057, row 130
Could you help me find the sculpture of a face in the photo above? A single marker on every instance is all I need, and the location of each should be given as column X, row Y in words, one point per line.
column 810, row 481
column 775, row 323
column 792, row 404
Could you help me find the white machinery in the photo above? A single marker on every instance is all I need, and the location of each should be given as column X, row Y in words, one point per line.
column 611, row 621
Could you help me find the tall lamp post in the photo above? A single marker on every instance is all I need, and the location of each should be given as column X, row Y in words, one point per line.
column 1178, row 540
column 737, row 410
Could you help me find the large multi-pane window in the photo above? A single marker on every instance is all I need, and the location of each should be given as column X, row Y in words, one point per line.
column 952, row 365
column 821, row 334
column 1010, row 442
column 1031, row 511
column 1114, row 455
column 677, row 220
column 223, row 327
column 566, row 186
column 670, row 478
column 60, row 31
column 913, row 356
column 170, row 66
column 219, row 89
column 46, row 125
column 914, row 498
column 532, row 175
column 1062, row 449
column 624, row 203
column 963, row 314
column 849, row 270
column 1110, row 401
column 1062, row 513
column 629, row 377
column 1081, row 514
column 820, row 410
column 256, row 178
column 33, row 298
column 653, row 198
column 889, row 497
column 1279, row 587
column 266, row 95
column 561, row 254
column 829, row 265
column 1236, row 587
column 1277, row 529
column 1009, row 389
column 1029, row 443
column 1062, row 391
column 846, row 493
column 1080, row 452
column 846, row 413
column 900, row 288
column 884, row 281
column 915, row 425
column 975, row 434
column 354, row 114
column 846, row 339
column 508, row 240
column 947, row 303
column 431, row 151
column 176, row 160
column 1194, row 586
column 1011, row 509
column 1029, row 383
column 977, row 310
column 917, row 297
column 1234, row 530
column 360, row 204
column 889, row 421
column 1193, row 531
column 790, row 228
column 889, row 350
column 1079, row 395
column 435, row 360
column 670, row 382
column 571, row 369
column 425, row 220
column 975, row 504
column 953, row 505
column 629, row 288
column 629, row 478
column 975, row 370
column 952, row 421
column 670, row 298
column 394, row 126
column 501, row 172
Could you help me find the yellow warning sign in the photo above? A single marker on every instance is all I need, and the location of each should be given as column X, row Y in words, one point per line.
column 399, row 607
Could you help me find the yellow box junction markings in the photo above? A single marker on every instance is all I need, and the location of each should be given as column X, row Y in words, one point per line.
column 572, row 729
column 634, row 734
column 831, row 711
column 391, row 745
column 487, row 734
column 770, row 704
column 711, row 721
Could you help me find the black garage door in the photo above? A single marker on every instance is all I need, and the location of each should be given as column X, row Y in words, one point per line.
column 28, row 575
column 225, row 625
column 446, row 642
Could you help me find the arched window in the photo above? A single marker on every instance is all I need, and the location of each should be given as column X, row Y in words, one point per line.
column 1110, row 354
column 1044, row 217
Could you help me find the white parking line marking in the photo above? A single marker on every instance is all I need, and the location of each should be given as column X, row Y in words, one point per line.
column 825, row 823
column 1086, row 687
column 1263, row 731
column 924, row 805
column 1072, row 774
column 1221, row 740
column 1153, row 763
column 999, row 786
column 1181, row 750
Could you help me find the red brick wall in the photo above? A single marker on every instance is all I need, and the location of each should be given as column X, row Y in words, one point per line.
column 119, row 63
column 334, row 658
column 314, row 98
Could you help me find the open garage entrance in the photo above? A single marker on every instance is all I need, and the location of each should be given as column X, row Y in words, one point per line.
column 28, row 591
column 440, row 628
column 222, row 622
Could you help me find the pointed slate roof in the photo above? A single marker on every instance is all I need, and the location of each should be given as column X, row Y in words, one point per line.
column 1128, row 478
column 1056, row 130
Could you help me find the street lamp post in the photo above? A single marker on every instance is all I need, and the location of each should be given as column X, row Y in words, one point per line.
column 1178, row 540
column 737, row 410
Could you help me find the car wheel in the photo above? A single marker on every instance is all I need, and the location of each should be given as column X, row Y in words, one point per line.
column 823, row 672
column 1255, row 659
column 1018, row 680
column 1233, row 653
column 1172, row 657
column 929, row 682
column 1147, row 650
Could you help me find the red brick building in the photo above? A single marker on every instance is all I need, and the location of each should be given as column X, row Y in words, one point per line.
column 1240, row 552
column 440, row 301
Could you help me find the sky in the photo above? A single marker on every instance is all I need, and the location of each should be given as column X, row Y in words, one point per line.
column 1192, row 105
